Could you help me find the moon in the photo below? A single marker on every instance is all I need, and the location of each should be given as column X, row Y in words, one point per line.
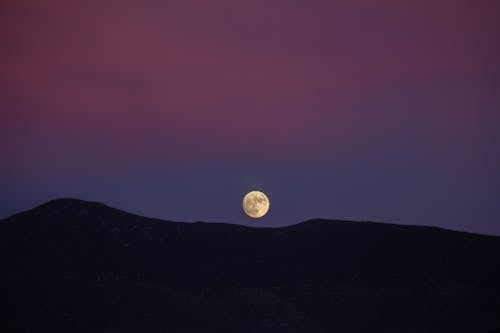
column 255, row 204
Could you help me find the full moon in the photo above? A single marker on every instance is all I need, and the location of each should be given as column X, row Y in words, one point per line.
column 255, row 204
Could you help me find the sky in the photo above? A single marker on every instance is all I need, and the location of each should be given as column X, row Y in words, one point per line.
column 383, row 110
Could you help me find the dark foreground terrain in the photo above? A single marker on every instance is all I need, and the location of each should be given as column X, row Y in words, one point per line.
column 76, row 266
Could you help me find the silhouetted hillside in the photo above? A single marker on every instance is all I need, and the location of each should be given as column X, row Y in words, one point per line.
column 76, row 266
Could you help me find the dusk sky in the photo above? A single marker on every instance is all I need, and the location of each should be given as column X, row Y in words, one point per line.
column 383, row 110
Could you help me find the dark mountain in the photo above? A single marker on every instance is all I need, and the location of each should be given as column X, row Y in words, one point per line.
column 76, row 266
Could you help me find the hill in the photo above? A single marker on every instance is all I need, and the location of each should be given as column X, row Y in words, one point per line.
column 72, row 265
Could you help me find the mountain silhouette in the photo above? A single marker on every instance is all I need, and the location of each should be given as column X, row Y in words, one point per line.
column 76, row 266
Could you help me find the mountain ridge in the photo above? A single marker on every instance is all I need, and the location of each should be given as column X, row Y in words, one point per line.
column 63, row 202
column 73, row 265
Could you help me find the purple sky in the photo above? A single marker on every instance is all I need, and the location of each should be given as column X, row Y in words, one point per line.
column 367, row 110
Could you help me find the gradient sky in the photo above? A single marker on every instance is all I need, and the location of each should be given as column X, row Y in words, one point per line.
column 367, row 110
